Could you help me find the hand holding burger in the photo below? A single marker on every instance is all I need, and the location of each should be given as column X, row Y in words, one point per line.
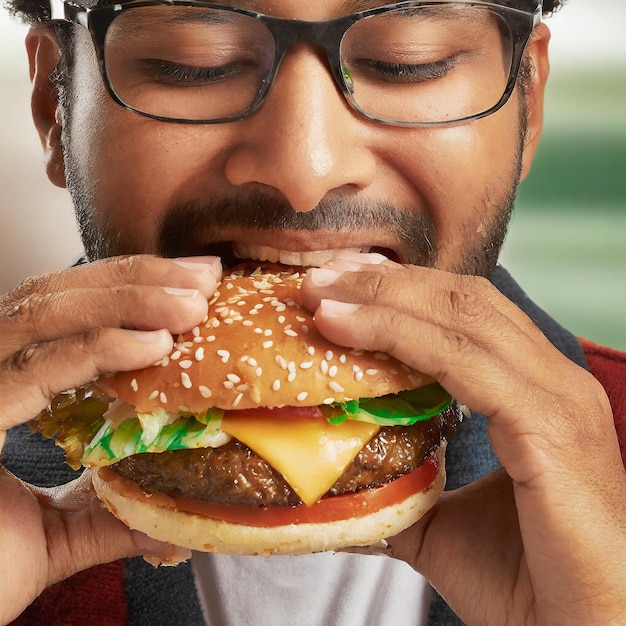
column 256, row 435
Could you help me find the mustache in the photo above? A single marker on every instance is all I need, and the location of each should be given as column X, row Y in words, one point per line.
column 191, row 225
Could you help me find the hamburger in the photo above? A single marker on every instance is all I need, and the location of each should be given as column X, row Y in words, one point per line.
column 256, row 435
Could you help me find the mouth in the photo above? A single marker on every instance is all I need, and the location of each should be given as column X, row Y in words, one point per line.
column 234, row 252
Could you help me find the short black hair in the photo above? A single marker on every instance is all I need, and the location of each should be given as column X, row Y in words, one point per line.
column 38, row 11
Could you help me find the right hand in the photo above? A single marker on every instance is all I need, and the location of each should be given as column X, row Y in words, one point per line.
column 58, row 332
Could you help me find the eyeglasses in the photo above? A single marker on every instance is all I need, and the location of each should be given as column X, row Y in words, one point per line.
column 406, row 64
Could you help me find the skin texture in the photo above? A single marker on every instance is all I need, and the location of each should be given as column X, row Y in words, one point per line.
column 509, row 549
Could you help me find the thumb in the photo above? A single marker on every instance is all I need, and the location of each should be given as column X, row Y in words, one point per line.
column 81, row 532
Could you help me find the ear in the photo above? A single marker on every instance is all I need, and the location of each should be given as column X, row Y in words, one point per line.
column 43, row 55
column 537, row 50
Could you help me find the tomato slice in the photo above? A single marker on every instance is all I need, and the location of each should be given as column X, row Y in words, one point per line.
column 329, row 509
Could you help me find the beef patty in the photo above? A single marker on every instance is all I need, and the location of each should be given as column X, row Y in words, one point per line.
column 234, row 474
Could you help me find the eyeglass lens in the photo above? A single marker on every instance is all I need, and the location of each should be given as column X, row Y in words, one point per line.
column 424, row 64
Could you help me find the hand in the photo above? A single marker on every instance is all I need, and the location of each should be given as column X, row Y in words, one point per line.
column 542, row 541
column 58, row 332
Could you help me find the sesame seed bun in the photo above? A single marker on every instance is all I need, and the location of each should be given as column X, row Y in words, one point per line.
column 259, row 346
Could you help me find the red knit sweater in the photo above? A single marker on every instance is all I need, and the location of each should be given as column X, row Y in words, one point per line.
column 97, row 596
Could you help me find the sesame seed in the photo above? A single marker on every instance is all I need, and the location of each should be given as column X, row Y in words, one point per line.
column 268, row 332
column 210, row 338
column 381, row 356
column 165, row 361
column 300, row 319
column 224, row 354
column 248, row 323
column 133, row 384
column 233, row 378
column 311, row 350
column 185, row 364
column 276, row 385
column 306, row 365
column 358, row 376
column 304, row 328
column 280, row 359
column 281, row 319
column 175, row 355
column 268, row 344
column 252, row 362
column 199, row 354
column 237, row 400
column 301, row 397
column 258, row 331
column 184, row 377
column 342, row 358
column 291, row 377
column 371, row 372
column 328, row 400
column 329, row 355
column 415, row 380
column 356, row 352
column 332, row 371
column 153, row 395
column 228, row 320
column 195, row 331
column 335, row 386
column 324, row 366
column 205, row 392
column 198, row 339
column 163, row 398
column 258, row 372
column 290, row 333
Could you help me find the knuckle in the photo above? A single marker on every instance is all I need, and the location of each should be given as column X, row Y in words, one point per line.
column 21, row 361
column 124, row 269
column 454, row 342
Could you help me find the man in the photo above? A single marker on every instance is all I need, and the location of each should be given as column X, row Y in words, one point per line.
column 403, row 131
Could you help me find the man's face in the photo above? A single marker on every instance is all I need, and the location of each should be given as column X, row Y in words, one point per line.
column 303, row 174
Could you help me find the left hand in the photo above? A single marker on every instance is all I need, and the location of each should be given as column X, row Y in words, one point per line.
column 542, row 541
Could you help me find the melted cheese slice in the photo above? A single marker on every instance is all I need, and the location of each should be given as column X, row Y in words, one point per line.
column 309, row 453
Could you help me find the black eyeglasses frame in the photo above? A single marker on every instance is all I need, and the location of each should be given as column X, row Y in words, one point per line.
column 327, row 34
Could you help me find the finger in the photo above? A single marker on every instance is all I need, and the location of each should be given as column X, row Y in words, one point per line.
column 186, row 273
column 42, row 318
column 30, row 378
column 82, row 533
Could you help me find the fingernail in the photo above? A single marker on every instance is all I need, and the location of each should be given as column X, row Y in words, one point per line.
column 150, row 336
column 333, row 308
column 322, row 277
column 201, row 263
column 181, row 293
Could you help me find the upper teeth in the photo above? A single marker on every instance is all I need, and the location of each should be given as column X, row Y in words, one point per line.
column 314, row 258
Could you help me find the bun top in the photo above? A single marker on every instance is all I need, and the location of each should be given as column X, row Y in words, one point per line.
column 259, row 347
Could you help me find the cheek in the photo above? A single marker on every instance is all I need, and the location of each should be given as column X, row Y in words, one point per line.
column 458, row 172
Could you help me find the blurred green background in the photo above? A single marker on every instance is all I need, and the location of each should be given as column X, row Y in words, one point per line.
column 567, row 243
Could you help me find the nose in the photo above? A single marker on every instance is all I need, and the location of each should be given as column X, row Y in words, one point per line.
column 304, row 141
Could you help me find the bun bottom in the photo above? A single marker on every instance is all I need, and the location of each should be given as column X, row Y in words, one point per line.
column 206, row 534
